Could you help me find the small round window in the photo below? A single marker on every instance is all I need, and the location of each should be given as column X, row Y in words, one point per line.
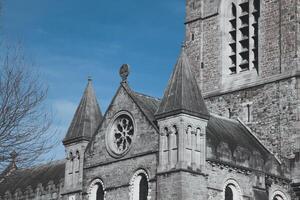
column 120, row 136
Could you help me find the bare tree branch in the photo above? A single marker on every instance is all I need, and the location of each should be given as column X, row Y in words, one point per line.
column 24, row 121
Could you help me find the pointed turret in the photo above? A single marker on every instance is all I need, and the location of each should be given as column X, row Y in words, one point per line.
column 182, row 94
column 182, row 119
column 85, row 122
column 87, row 117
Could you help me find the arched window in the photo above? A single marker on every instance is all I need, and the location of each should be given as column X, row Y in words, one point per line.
column 139, row 186
column 232, row 191
column 278, row 195
column 228, row 193
column 96, row 191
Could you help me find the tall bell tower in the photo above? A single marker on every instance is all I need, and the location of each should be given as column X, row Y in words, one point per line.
column 245, row 55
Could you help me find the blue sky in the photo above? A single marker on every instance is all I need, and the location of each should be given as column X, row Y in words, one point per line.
column 69, row 40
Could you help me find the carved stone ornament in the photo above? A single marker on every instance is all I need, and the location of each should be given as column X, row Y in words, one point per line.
column 120, row 135
column 124, row 72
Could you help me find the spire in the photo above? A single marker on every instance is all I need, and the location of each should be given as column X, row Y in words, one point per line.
column 87, row 117
column 182, row 94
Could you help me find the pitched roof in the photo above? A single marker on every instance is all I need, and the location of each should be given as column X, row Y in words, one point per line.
column 234, row 133
column 182, row 94
column 87, row 117
column 43, row 174
column 147, row 104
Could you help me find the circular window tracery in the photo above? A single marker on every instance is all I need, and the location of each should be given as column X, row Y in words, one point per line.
column 121, row 134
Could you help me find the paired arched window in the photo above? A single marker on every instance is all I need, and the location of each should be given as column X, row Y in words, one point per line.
column 96, row 191
column 241, row 28
column 170, row 142
column 139, row 186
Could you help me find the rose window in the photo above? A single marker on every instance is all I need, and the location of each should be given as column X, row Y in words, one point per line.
column 121, row 134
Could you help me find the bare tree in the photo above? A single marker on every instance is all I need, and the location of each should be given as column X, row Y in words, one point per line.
column 24, row 121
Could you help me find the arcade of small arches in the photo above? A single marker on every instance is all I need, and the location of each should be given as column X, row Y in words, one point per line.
column 74, row 161
column 193, row 145
column 138, row 187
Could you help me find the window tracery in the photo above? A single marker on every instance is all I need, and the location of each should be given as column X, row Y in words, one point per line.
column 121, row 134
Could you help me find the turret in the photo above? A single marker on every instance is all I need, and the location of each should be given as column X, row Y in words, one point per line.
column 85, row 122
column 182, row 119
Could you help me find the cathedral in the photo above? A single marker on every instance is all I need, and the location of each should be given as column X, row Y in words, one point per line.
column 226, row 128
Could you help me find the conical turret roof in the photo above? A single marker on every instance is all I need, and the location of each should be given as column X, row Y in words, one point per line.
column 182, row 94
column 87, row 117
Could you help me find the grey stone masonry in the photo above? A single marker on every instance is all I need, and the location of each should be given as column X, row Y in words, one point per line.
column 267, row 99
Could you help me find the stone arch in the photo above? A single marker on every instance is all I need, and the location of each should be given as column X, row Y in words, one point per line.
column 231, row 190
column 96, row 190
column 139, row 187
column 278, row 195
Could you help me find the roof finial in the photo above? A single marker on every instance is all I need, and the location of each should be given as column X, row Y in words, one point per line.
column 124, row 72
column 90, row 78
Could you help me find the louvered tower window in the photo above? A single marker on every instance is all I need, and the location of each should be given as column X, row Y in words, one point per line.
column 232, row 39
column 243, row 36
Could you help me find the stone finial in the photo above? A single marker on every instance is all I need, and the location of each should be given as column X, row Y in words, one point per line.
column 90, row 78
column 124, row 72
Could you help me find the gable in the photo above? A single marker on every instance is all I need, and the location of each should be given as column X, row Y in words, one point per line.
column 141, row 109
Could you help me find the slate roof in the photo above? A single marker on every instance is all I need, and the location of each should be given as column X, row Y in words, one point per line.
column 87, row 117
column 147, row 104
column 182, row 94
column 219, row 128
column 234, row 133
column 43, row 174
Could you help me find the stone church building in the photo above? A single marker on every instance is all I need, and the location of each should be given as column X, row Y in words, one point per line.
column 226, row 128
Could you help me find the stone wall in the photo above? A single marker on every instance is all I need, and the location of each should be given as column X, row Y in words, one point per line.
column 273, row 110
column 116, row 173
column 180, row 185
column 246, row 181
column 272, row 91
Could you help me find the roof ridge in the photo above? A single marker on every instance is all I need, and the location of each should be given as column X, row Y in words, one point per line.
column 148, row 96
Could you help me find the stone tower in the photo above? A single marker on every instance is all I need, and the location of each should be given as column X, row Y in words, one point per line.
column 182, row 119
column 85, row 122
column 245, row 54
